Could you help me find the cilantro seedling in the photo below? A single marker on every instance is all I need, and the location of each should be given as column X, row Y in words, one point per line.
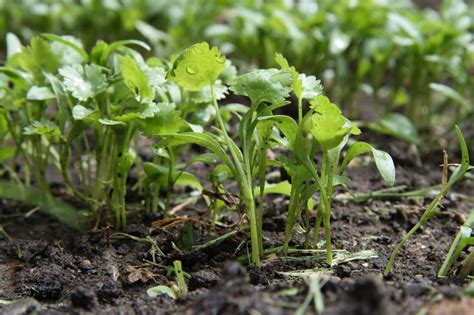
column 432, row 209
column 197, row 68
column 323, row 127
column 463, row 239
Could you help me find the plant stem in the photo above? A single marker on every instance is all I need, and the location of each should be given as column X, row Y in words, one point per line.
column 320, row 212
column 399, row 247
column 245, row 186
column 300, row 110
column 171, row 181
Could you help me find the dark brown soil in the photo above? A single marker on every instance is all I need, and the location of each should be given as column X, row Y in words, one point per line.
column 50, row 269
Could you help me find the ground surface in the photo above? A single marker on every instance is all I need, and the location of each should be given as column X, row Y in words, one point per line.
column 51, row 269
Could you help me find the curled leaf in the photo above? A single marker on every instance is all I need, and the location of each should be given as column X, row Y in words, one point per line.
column 382, row 159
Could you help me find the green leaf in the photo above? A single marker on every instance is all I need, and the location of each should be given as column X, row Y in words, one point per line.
column 382, row 159
column 205, row 96
column 311, row 87
column 464, row 150
column 66, row 41
column 304, row 87
column 197, row 67
column 80, row 112
column 39, row 93
column 188, row 179
column 42, row 128
column 286, row 124
column 161, row 118
column 61, row 99
column 451, row 93
column 106, row 50
column 281, row 188
column 398, row 126
column 135, row 79
column 83, row 82
column 297, row 83
column 110, row 122
column 98, row 53
column 405, row 24
column 329, row 126
column 13, row 45
column 38, row 57
column 270, row 85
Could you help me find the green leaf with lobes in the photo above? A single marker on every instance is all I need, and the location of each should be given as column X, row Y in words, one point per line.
column 197, row 67
column 83, row 82
column 42, row 128
column 328, row 125
column 38, row 57
column 159, row 119
column 263, row 85
column 304, row 87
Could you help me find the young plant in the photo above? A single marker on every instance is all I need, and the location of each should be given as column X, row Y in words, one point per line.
column 177, row 288
column 463, row 239
column 83, row 113
column 432, row 208
column 198, row 67
column 323, row 127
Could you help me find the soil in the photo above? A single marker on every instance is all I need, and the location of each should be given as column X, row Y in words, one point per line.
column 49, row 269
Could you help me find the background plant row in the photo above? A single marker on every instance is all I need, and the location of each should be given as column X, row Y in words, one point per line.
column 391, row 54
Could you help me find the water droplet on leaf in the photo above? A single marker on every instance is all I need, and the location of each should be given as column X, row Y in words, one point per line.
column 191, row 70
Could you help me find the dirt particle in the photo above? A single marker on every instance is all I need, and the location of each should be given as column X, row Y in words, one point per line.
column 48, row 288
column 83, row 298
column 203, row 278
column 109, row 292
column 85, row 265
column 417, row 289
column 123, row 249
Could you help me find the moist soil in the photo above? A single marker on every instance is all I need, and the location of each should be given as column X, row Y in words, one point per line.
column 49, row 269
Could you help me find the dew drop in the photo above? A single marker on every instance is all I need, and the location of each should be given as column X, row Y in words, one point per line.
column 191, row 70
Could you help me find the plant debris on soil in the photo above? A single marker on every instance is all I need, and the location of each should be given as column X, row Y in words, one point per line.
column 47, row 268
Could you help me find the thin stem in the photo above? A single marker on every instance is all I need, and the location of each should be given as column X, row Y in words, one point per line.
column 244, row 184
column 300, row 110
column 320, row 212
column 171, row 181
column 399, row 247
